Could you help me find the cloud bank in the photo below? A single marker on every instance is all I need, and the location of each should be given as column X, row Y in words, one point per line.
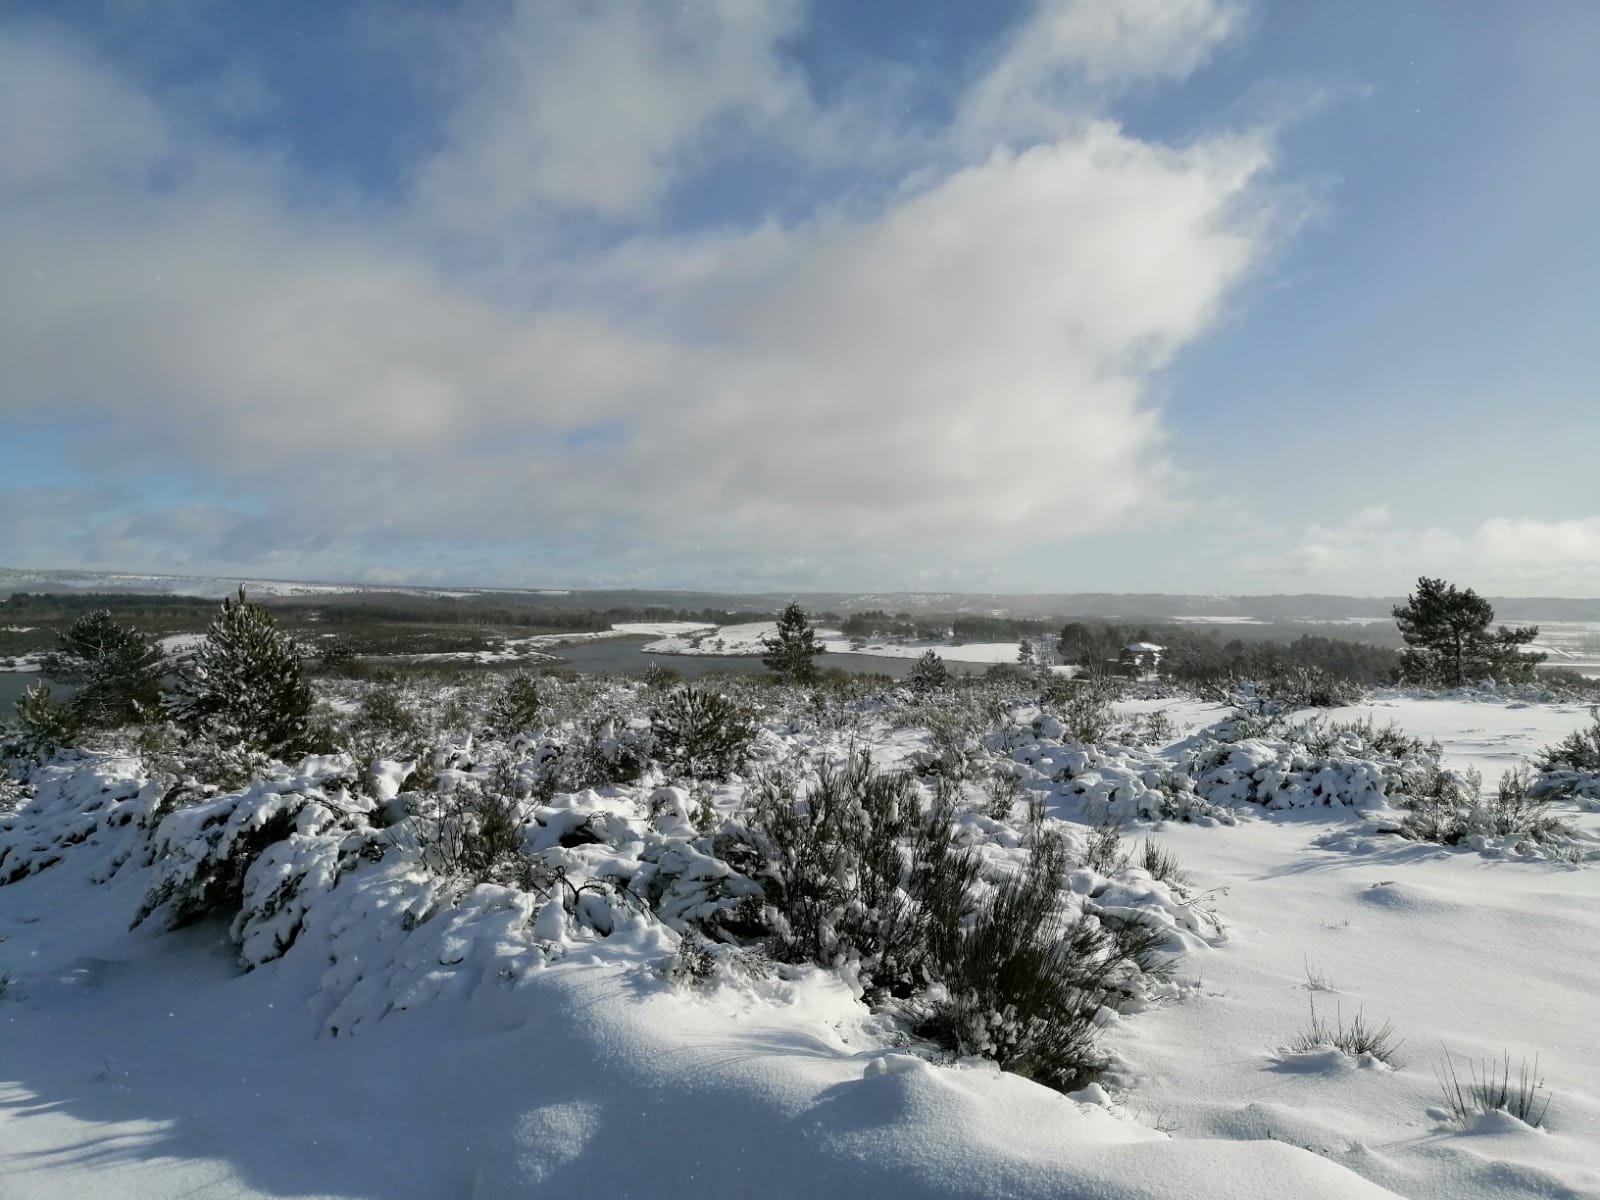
column 531, row 351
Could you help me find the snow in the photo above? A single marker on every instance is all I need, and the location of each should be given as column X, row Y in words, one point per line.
column 495, row 1047
column 747, row 640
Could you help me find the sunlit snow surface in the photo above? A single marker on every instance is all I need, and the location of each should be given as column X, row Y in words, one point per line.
column 144, row 1064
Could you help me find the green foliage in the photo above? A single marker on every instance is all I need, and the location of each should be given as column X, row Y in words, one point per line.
column 117, row 670
column 1448, row 639
column 245, row 684
column 861, row 878
column 517, row 708
column 792, row 651
column 1441, row 806
column 1578, row 751
column 46, row 724
column 700, row 733
column 1022, row 984
column 929, row 674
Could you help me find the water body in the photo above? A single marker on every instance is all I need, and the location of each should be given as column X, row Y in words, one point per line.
column 13, row 684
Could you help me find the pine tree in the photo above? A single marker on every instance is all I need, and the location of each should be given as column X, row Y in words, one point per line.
column 1448, row 641
column 929, row 675
column 1025, row 654
column 791, row 652
column 117, row 670
column 244, row 684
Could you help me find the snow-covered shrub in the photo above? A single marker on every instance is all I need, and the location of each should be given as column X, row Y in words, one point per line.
column 517, row 706
column 301, row 832
column 1023, row 984
column 856, row 875
column 1448, row 808
column 1083, row 707
column 244, row 683
column 1578, row 751
column 475, row 832
column 701, row 734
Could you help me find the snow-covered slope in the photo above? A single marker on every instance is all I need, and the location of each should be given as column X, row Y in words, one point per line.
column 499, row 1050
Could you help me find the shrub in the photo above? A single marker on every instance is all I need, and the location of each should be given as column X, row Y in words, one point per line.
column 702, row 734
column 791, row 652
column 45, row 724
column 1084, row 706
column 244, row 684
column 1361, row 1036
column 1486, row 1094
column 1023, row 986
column 843, row 861
column 517, row 708
column 859, row 878
column 117, row 670
column 1447, row 808
column 1578, row 751
column 929, row 674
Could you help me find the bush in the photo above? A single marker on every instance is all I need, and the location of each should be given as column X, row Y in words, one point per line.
column 1023, row 986
column 1444, row 807
column 244, row 684
column 1084, row 707
column 856, row 876
column 1578, row 751
column 1485, row 1094
column 702, row 734
column 1359, row 1037
column 45, row 724
column 859, row 878
column 517, row 708
column 117, row 670
column 929, row 674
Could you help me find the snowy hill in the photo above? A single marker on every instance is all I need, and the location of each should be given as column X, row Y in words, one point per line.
column 396, row 1035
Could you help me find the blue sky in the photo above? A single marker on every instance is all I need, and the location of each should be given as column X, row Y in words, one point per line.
column 1177, row 295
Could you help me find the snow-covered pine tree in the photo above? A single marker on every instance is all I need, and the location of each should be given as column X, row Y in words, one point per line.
column 244, row 684
column 929, row 675
column 117, row 670
column 791, row 652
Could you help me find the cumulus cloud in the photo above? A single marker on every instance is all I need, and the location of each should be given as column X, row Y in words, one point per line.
column 847, row 386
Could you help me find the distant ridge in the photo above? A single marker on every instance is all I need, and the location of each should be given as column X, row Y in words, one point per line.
column 1127, row 606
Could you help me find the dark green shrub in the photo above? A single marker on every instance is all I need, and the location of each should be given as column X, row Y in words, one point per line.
column 701, row 734
column 517, row 708
column 116, row 669
column 244, row 684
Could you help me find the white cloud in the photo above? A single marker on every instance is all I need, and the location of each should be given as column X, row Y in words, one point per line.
column 1503, row 554
column 1066, row 46
column 856, row 386
column 602, row 106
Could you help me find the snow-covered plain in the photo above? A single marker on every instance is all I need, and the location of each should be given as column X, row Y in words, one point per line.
column 497, row 1052
column 748, row 639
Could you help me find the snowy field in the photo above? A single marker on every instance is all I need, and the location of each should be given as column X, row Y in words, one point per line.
column 749, row 639
column 497, row 1049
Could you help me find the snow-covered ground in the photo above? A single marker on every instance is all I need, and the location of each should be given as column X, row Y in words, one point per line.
column 533, row 1061
column 748, row 639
